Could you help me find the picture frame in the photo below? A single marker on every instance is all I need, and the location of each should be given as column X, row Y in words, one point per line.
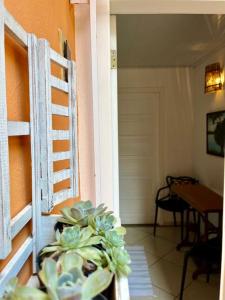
column 215, row 133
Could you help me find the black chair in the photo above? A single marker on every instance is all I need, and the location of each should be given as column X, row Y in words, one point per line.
column 167, row 200
column 207, row 257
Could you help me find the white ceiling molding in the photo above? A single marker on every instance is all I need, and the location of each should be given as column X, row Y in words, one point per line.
column 167, row 7
column 79, row 1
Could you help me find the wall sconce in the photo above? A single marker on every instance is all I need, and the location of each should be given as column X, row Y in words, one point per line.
column 213, row 78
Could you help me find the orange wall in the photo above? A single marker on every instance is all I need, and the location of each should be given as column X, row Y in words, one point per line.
column 42, row 18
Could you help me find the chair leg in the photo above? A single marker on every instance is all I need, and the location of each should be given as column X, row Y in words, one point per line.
column 182, row 225
column 156, row 216
column 183, row 275
column 174, row 219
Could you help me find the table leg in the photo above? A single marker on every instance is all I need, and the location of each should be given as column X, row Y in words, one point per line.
column 206, row 233
column 185, row 242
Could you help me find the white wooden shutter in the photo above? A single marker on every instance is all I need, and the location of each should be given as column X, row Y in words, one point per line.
column 48, row 135
column 9, row 228
column 41, row 139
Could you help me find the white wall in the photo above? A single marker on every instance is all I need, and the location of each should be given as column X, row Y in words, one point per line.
column 208, row 168
column 176, row 115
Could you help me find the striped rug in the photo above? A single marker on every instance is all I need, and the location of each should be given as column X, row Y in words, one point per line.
column 139, row 280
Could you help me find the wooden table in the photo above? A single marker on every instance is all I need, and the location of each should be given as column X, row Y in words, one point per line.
column 202, row 199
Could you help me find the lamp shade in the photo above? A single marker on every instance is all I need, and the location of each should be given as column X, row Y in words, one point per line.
column 213, row 78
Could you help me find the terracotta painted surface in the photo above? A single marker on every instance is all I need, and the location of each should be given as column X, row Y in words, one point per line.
column 43, row 18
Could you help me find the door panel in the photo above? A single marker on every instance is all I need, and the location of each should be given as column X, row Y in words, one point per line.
column 138, row 152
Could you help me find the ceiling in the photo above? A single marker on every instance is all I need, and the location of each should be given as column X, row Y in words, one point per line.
column 168, row 40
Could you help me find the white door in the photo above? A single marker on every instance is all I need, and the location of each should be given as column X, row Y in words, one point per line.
column 138, row 154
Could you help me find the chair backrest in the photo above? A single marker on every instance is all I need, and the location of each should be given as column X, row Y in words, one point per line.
column 180, row 180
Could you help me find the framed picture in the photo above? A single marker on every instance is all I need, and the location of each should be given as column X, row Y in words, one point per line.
column 215, row 130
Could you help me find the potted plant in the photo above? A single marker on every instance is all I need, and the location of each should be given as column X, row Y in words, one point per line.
column 63, row 280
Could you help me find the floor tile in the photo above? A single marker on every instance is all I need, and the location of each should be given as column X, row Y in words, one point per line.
column 177, row 257
column 169, row 233
column 157, row 246
column 167, row 276
column 200, row 291
column 133, row 235
column 214, row 280
column 159, row 295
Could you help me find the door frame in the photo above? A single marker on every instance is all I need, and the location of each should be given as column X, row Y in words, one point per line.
column 104, row 132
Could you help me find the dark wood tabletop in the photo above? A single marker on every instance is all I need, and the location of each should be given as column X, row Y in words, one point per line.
column 199, row 197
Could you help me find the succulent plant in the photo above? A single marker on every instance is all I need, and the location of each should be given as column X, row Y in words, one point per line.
column 79, row 213
column 118, row 261
column 112, row 239
column 102, row 223
column 79, row 240
column 64, row 279
column 14, row 291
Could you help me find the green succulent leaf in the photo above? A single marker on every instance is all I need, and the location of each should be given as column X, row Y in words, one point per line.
column 118, row 261
column 70, row 260
column 120, row 230
column 102, row 223
column 96, row 283
column 113, row 239
column 80, row 212
column 13, row 291
column 49, row 276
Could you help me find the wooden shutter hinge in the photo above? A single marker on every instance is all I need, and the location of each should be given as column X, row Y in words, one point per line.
column 113, row 59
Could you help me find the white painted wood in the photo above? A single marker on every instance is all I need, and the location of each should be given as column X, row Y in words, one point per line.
column 48, row 235
column 59, row 84
column 15, row 29
column 35, row 145
column 60, row 135
column 61, row 175
column 62, row 196
column 20, row 220
column 121, row 289
column 47, row 109
column 95, row 99
column 167, row 7
column 18, row 128
column 56, row 156
column 73, row 130
column 5, row 237
column 60, row 110
column 58, row 59
column 16, row 263
column 114, row 101
column 104, row 105
column 45, row 125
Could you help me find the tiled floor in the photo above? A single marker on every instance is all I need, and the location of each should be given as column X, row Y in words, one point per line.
column 165, row 265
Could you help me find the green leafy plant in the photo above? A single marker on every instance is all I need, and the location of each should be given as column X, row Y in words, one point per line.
column 14, row 291
column 64, row 279
column 79, row 213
